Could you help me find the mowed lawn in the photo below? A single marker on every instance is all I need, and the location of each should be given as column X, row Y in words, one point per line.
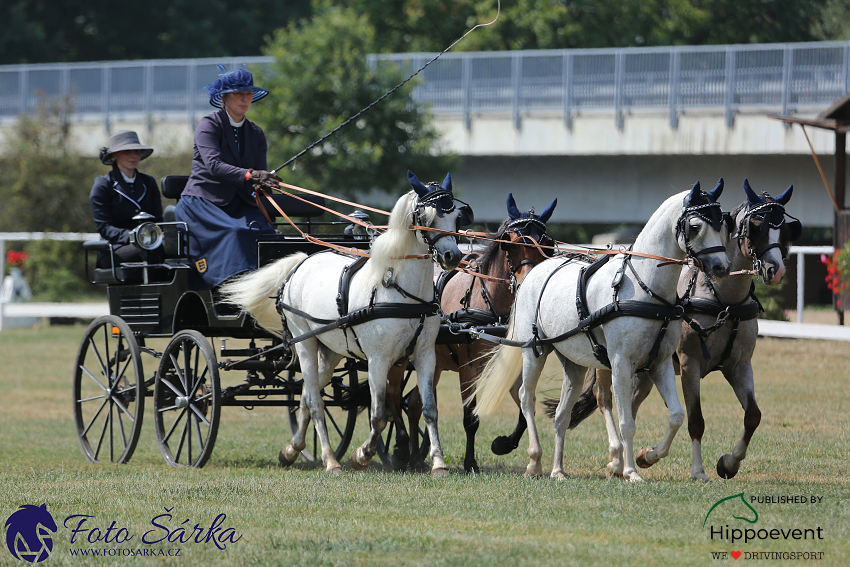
column 301, row 516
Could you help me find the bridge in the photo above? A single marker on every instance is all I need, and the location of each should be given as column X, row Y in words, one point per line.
column 610, row 132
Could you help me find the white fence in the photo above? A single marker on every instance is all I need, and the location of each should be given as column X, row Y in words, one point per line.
column 96, row 309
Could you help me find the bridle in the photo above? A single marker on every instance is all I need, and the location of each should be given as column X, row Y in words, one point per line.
column 772, row 215
column 444, row 202
column 712, row 214
column 528, row 227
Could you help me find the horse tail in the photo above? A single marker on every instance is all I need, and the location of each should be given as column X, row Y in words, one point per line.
column 584, row 406
column 498, row 375
column 255, row 292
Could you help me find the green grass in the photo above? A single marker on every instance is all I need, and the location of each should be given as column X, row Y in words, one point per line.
column 302, row 516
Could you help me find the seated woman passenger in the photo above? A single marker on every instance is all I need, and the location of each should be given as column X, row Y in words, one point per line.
column 121, row 194
column 218, row 203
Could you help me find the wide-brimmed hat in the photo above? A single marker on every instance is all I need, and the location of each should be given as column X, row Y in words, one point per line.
column 120, row 141
column 236, row 81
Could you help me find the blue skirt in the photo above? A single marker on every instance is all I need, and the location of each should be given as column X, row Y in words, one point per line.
column 221, row 244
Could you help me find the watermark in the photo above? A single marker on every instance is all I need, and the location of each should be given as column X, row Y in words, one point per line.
column 30, row 529
column 734, row 519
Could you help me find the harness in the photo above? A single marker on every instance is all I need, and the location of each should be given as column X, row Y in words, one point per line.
column 663, row 311
column 772, row 214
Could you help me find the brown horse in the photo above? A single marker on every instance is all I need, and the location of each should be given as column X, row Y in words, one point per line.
column 472, row 301
column 728, row 310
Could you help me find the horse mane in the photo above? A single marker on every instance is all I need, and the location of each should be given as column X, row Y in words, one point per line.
column 736, row 211
column 493, row 247
column 398, row 241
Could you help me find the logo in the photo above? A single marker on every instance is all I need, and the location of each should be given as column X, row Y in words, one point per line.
column 28, row 533
column 728, row 498
column 201, row 265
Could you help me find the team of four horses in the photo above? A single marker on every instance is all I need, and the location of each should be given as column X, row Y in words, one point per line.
column 624, row 318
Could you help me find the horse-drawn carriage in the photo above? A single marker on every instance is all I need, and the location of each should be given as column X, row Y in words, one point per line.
column 150, row 300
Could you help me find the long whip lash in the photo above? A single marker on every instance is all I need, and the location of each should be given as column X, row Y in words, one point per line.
column 388, row 93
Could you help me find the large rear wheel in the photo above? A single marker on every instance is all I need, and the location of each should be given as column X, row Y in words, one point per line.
column 187, row 400
column 108, row 391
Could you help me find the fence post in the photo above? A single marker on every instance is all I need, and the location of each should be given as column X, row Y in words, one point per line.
column 729, row 99
column 516, row 80
column 801, row 283
column 567, row 86
column 673, row 94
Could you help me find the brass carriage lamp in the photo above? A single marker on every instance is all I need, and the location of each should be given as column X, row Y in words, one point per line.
column 358, row 231
column 147, row 235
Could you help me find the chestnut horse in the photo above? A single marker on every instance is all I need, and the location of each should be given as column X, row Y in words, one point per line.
column 469, row 300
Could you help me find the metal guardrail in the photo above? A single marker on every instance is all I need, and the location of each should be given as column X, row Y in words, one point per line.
column 780, row 78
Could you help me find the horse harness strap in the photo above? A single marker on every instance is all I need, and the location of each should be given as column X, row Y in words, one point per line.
column 347, row 320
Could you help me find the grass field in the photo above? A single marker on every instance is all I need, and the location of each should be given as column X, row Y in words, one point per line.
column 301, row 516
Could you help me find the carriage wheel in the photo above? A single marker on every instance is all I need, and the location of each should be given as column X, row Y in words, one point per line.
column 341, row 409
column 187, row 400
column 109, row 391
column 386, row 443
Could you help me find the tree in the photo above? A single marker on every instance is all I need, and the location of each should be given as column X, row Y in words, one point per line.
column 319, row 78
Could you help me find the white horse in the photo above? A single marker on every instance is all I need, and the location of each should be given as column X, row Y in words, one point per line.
column 546, row 306
column 397, row 278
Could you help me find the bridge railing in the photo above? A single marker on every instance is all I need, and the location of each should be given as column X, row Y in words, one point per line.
column 780, row 78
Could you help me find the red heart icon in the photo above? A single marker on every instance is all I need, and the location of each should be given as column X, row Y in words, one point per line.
column 735, row 554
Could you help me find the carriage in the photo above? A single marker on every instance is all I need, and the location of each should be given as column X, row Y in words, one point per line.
column 152, row 299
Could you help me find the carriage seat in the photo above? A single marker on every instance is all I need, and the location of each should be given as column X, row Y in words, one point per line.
column 108, row 275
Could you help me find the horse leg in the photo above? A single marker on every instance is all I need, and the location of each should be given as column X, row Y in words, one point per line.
column 696, row 423
column 664, row 378
column 504, row 444
column 467, row 375
column 289, row 453
column 426, row 362
column 414, row 413
column 378, row 369
column 621, row 379
column 605, row 402
column 307, row 352
column 327, row 363
column 741, row 380
column 531, row 368
column 401, row 451
column 570, row 391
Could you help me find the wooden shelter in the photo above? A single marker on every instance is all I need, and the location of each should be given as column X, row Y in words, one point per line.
column 837, row 119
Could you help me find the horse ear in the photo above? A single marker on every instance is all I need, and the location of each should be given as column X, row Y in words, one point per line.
column 417, row 185
column 547, row 212
column 695, row 192
column 714, row 194
column 513, row 211
column 785, row 196
column 447, row 182
column 752, row 198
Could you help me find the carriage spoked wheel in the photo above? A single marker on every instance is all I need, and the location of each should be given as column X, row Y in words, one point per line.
column 399, row 458
column 187, row 400
column 341, row 398
column 109, row 391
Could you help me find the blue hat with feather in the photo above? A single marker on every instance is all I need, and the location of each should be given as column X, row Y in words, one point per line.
column 236, row 81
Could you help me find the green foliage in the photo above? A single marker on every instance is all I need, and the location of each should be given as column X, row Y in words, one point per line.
column 55, row 270
column 321, row 77
column 834, row 23
column 770, row 297
column 34, row 31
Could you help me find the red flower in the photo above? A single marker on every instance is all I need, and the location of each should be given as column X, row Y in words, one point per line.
column 16, row 259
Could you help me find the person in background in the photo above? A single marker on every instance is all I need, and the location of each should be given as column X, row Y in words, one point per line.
column 218, row 203
column 121, row 194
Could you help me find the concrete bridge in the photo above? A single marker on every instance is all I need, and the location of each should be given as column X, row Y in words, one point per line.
column 610, row 132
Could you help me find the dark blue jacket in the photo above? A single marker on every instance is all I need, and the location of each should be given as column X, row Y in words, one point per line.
column 218, row 170
column 114, row 204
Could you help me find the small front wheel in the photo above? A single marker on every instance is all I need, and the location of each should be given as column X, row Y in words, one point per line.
column 187, row 400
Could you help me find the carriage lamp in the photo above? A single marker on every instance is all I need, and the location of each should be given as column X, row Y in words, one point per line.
column 147, row 235
column 359, row 232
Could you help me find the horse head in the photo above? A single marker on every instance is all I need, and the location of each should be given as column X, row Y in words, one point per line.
column 436, row 207
column 524, row 228
column 763, row 233
column 699, row 230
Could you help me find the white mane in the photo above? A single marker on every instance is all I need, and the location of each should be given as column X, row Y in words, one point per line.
column 398, row 241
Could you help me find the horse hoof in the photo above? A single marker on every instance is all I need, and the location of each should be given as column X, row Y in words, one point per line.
column 472, row 469
column 335, row 471
column 559, row 475
column 700, row 476
column 356, row 463
column 285, row 461
column 439, row 473
column 418, row 466
column 727, row 466
column 632, row 477
column 502, row 445
column 400, row 460
column 611, row 473
column 641, row 460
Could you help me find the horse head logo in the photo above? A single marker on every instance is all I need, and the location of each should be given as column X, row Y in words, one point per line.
column 732, row 498
column 28, row 533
